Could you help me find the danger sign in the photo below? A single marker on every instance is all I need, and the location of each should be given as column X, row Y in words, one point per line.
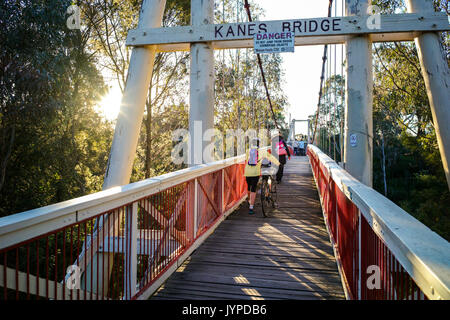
column 274, row 42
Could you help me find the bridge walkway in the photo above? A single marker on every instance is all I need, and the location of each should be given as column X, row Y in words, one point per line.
column 285, row 256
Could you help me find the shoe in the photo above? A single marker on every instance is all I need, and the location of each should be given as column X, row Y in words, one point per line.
column 251, row 211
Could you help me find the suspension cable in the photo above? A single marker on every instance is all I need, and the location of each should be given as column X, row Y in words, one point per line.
column 247, row 8
column 322, row 77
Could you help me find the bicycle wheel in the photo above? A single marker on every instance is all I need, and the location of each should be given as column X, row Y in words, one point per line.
column 273, row 191
column 267, row 203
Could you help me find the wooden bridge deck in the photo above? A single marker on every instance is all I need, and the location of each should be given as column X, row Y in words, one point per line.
column 286, row 256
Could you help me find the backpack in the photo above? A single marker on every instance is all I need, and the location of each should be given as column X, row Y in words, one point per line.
column 265, row 163
column 253, row 157
column 281, row 148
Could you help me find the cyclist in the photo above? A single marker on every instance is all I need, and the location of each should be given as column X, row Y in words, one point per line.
column 280, row 148
column 252, row 171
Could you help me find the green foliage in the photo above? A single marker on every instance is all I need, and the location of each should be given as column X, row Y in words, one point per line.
column 404, row 137
column 241, row 100
column 174, row 117
column 331, row 116
column 54, row 145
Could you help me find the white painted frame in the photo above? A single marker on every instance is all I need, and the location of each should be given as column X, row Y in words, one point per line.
column 393, row 27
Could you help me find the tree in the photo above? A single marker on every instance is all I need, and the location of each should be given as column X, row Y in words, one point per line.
column 241, row 101
column 407, row 164
column 111, row 20
column 331, row 116
column 53, row 142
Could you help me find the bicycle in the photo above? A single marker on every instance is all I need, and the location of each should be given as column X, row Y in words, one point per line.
column 268, row 190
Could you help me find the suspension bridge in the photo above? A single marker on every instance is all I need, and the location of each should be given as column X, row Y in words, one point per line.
column 186, row 235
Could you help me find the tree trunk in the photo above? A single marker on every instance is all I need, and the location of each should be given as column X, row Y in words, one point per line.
column 7, row 151
column 383, row 164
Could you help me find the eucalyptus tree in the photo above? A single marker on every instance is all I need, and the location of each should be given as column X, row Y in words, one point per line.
column 52, row 141
column 407, row 164
column 111, row 20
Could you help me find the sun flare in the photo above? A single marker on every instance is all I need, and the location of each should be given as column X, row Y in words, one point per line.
column 109, row 106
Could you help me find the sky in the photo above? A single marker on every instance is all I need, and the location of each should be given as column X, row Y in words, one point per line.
column 302, row 68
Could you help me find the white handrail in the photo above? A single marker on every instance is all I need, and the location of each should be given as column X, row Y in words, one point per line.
column 29, row 224
column 423, row 253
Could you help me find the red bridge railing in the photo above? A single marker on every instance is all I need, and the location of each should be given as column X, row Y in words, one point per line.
column 382, row 251
column 121, row 243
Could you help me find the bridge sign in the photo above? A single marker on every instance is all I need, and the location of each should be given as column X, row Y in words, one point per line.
column 353, row 140
column 311, row 31
column 274, row 42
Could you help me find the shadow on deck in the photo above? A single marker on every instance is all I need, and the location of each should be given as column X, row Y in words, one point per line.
column 286, row 256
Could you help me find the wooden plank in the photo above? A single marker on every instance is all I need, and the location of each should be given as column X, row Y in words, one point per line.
column 181, row 279
column 265, row 272
column 240, row 280
column 275, row 220
column 269, row 239
column 267, row 245
column 282, row 246
column 187, row 294
column 303, row 244
column 288, row 216
column 240, row 291
column 231, row 245
column 281, row 231
column 285, row 216
column 268, row 228
column 236, row 292
column 258, row 218
column 258, row 261
column 276, row 223
column 273, row 289
column 273, row 252
column 274, row 235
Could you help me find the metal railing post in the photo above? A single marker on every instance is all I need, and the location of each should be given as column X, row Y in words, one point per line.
column 195, row 208
column 130, row 262
column 223, row 191
column 359, row 256
column 336, row 224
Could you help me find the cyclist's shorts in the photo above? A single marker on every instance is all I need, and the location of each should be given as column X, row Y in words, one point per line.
column 252, row 182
